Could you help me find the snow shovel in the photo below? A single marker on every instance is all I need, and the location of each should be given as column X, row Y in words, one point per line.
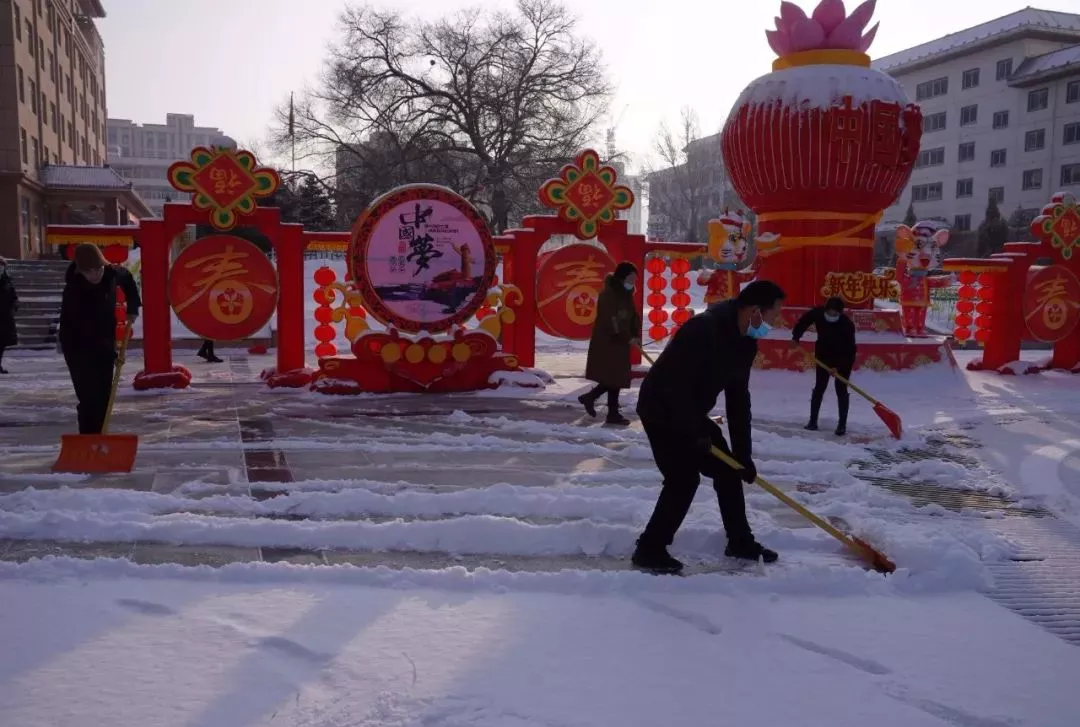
column 885, row 414
column 861, row 548
column 100, row 453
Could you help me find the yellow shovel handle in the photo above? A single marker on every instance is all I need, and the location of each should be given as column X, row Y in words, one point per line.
column 121, row 356
column 784, row 498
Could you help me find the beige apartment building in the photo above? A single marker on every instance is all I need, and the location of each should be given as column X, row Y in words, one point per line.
column 1001, row 117
column 52, row 124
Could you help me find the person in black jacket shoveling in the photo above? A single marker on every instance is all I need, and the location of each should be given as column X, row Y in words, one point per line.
column 835, row 347
column 712, row 353
column 88, row 330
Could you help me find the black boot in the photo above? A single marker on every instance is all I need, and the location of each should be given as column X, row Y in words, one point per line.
column 750, row 550
column 655, row 560
column 589, row 402
column 614, row 416
column 815, row 409
column 843, row 402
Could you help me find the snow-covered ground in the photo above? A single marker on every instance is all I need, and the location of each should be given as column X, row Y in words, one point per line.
column 462, row 561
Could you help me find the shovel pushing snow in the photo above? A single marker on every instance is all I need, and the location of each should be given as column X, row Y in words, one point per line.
column 100, row 453
column 890, row 418
column 861, row 548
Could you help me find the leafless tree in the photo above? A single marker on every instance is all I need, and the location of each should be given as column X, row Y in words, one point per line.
column 487, row 103
column 678, row 180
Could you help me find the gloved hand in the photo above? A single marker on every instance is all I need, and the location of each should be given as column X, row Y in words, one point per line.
column 704, row 445
column 748, row 473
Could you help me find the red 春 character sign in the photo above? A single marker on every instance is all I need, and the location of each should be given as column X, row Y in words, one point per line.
column 223, row 288
column 568, row 285
column 1052, row 304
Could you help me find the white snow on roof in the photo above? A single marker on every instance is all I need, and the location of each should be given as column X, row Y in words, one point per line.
column 1031, row 18
column 1047, row 62
column 83, row 177
column 822, row 87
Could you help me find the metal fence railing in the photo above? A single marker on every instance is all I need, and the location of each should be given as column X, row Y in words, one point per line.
column 943, row 306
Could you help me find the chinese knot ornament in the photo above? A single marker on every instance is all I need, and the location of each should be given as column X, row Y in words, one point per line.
column 820, row 147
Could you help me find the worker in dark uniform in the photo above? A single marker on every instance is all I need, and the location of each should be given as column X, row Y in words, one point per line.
column 88, row 330
column 835, row 347
column 712, row 353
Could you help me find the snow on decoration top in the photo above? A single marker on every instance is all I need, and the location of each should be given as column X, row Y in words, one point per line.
column 821, row 35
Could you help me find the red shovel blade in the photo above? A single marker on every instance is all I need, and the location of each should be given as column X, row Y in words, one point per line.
column 96, row 453
column 890, row 418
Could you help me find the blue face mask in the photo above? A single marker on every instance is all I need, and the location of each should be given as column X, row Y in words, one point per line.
column 761, row 330
column 832, row 317
column 628, row 285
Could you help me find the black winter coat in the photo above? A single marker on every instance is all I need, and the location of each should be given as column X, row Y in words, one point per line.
column 617, row 323
column 835, row 345
column 88, row 312
column 9, row 304
column 707, row 356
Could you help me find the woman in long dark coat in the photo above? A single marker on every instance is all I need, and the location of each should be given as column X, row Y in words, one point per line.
column 9, row 303
column 617, row 328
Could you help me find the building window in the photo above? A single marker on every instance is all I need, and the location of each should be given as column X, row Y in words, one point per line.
column 970, row 79
column 965, row 187
column 1033, row 179
column 22, row 146
column 931, row 157
column 1072, row 133
column 30, row 39
column 1072, row 92
column 927, row 192
column 1035, row 140
column 25, row 204
column 52, row 116
column 969, row 115
column 933, row 122
column 997, row 158
column 1038, row 99
column 997, row 194
column 41, row 52
column 1070, row 175
column 932, row 89
column 22, row 86
column 1001, row 119
column 962, row 223
column 36, row 145
column 33, row 96
column 1004, row 69
column 52, row 67
column 44, row 105
column 18, row 22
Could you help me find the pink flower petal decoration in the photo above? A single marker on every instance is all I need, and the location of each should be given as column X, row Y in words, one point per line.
column 779, row 42
column 791, row 14
column 860, row 16
column 868, row 39
column 780, row 25
column 829, row 14
column 806, row 35
column 845, row 36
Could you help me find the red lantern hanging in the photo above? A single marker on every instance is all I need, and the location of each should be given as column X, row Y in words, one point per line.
column 967, row 277
column 965, row 306
column 657, row 299
column 962, row 334
column 963, row 320
column 115, row 254
column 324, row 314
column 680, row 283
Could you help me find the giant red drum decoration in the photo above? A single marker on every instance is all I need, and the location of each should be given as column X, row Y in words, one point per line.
column 819, row 147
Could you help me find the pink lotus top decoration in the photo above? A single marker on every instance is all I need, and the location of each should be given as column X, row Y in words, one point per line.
column 828, row 28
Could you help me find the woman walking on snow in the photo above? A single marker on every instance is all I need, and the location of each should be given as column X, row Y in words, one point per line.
column 9, row 303
column 616, row 329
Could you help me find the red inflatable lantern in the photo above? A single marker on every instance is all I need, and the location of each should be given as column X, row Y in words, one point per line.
column 819, row 148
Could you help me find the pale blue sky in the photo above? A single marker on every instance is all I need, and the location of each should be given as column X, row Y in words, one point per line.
column 247, row 55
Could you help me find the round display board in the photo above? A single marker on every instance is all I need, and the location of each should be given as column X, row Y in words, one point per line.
column 568, row 285
column 422, row 258
column 1051, row 303
column 223, row 288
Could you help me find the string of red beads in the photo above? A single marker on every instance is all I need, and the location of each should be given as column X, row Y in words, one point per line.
column 325, row 332
column 656, row 266
column 965, row 306
column 681, row 299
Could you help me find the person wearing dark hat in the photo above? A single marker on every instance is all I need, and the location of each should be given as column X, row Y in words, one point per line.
column 836, row 348
column 617, row 328
column 713, row 352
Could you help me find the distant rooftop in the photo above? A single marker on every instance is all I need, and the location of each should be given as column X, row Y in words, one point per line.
column 72, row 177
column 1029, row 21
column 1039, row 68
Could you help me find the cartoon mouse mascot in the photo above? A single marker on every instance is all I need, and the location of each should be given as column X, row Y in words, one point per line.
column 918, row 251
column 729, row 246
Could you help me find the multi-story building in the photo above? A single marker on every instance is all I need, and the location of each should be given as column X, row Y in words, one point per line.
column 682, row 199
column 52, row 114
column 1001, row 117
column 142, row 153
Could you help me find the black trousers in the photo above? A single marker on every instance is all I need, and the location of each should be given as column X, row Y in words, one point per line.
column 92, row 378
column 207, row 349
column 821, row 384
column 612, row 396
column 682, row 464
